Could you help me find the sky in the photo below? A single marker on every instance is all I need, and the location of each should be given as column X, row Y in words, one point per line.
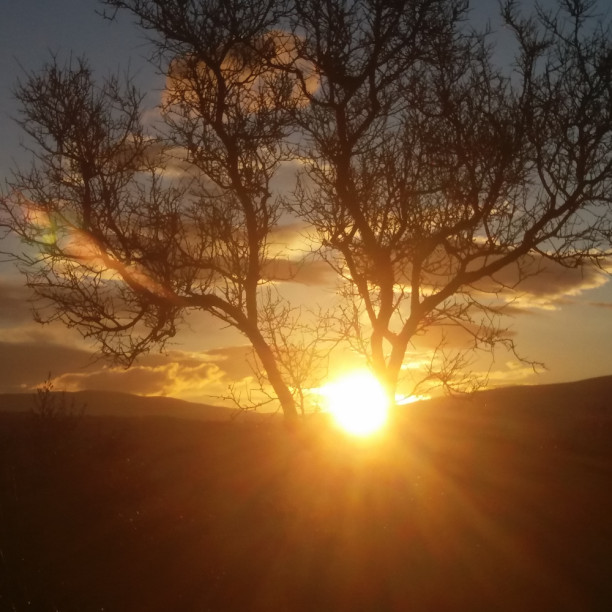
column 562, row 318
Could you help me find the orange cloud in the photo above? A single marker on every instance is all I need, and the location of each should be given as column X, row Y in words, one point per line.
column 250, row 71
column 172, row 379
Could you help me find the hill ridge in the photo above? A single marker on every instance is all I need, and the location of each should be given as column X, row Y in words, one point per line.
column 562, row 398
column 105, row 402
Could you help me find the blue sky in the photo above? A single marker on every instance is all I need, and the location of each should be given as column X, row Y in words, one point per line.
column 565, row 321
column 30, row 30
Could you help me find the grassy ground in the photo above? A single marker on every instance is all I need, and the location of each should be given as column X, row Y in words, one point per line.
column 146, row 515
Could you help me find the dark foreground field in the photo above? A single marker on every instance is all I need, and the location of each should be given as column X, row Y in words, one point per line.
column 446, row 512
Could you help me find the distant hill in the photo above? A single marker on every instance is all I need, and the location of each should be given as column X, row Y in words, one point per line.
column 112, row 403
column 546, row 411
column 584, row 395
column 580, row 397
column 575, row 414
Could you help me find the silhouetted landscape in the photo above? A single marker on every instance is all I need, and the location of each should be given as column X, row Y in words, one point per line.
column 497, row 502
column 112, row 403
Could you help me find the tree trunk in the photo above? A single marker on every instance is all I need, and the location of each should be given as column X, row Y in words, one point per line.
column 283, row 393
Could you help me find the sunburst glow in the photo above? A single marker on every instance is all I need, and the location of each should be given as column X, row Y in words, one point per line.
column 357, row 403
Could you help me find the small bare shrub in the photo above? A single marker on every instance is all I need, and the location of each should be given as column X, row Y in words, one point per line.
column 54, row 413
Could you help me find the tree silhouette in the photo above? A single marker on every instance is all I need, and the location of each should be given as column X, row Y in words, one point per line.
column 123, row 246
column 431, row 174
column 430, row 170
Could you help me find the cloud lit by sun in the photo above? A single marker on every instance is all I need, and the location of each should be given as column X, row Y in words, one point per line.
column 247, row 72
column 357, row 403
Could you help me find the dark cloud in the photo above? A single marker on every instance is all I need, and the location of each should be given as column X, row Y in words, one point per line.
column 451, row 337
column 292, row 256
column 169, row 379
column 546, row 279
column 607, row 305
column 309, row 272
column 27, row 364
column 235, row 361
column 510, row 310
column 534, row 282
column 178, row 374
column 29, row 353
column 15, row 308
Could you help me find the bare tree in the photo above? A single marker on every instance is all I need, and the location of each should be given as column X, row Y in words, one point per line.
column 303, row 340
column 130, row 227
column 54, row 415
column 430, row 170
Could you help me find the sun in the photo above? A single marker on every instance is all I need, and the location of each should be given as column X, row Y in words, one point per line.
column 357, row 403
